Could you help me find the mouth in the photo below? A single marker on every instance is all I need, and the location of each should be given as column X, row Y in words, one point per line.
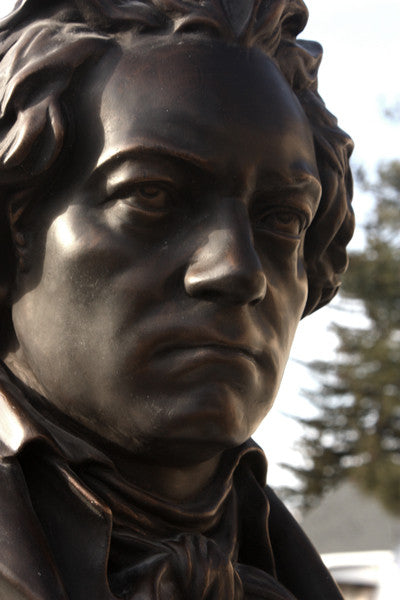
column 201, row 350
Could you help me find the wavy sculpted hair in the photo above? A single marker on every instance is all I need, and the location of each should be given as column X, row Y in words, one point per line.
column 43, row 44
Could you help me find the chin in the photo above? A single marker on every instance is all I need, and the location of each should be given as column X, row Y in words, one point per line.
column 186, row 426
column 204, row 430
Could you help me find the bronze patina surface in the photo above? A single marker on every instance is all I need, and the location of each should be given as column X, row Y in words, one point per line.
column 175, row 198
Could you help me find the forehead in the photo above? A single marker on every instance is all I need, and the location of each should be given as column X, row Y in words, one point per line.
column 215, row 102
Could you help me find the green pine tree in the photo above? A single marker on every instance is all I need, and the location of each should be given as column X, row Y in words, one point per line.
column 356, row 433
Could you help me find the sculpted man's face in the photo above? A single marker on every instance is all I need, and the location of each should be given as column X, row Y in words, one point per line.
column 161, row 309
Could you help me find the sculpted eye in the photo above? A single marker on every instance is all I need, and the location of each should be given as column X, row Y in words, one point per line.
column 140, row 204
column 149, row 200
column 288, row 221
column 149, row 197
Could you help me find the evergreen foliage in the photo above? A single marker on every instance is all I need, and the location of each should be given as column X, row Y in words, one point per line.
column 356, row 433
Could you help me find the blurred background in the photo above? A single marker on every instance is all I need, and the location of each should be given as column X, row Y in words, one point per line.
column 333, row 437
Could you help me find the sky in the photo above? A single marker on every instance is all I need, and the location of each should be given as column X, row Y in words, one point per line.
column 358, row 79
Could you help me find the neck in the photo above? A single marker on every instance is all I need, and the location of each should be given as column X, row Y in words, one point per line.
column 176, row 484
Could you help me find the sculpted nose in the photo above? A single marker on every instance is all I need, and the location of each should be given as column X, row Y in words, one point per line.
column 227, row 269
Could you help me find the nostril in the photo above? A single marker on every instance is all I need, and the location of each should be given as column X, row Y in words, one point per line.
column 210, row 296
column 256, row 301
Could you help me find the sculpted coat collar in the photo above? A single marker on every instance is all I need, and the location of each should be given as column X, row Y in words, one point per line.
column 63, row 493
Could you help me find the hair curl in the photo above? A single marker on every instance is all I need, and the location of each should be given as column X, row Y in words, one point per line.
column 43, row 43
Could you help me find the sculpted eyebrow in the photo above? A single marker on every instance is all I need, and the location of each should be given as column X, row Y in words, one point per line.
column 303, row 185
column 305, row 190
column 143, row 152
column 279, row 184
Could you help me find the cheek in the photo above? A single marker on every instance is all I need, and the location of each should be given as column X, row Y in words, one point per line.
column 287, row 283
column 60, row 285
column 90, row 283
column 292, row 300
column 92, row 255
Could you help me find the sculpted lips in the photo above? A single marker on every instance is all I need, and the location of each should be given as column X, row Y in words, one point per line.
column 204, row 348
column 209, row 349
column 201, row 362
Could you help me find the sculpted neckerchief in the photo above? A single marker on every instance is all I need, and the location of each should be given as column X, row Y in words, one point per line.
column 151, row 558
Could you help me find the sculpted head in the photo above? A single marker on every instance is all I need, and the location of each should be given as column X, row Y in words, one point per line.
column 175, row 197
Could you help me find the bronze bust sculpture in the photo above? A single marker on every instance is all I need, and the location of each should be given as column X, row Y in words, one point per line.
column 175, row 197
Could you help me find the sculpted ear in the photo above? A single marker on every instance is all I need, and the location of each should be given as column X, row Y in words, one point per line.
column 16, row 211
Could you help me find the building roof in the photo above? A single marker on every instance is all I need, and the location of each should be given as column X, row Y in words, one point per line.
column 347, row 520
